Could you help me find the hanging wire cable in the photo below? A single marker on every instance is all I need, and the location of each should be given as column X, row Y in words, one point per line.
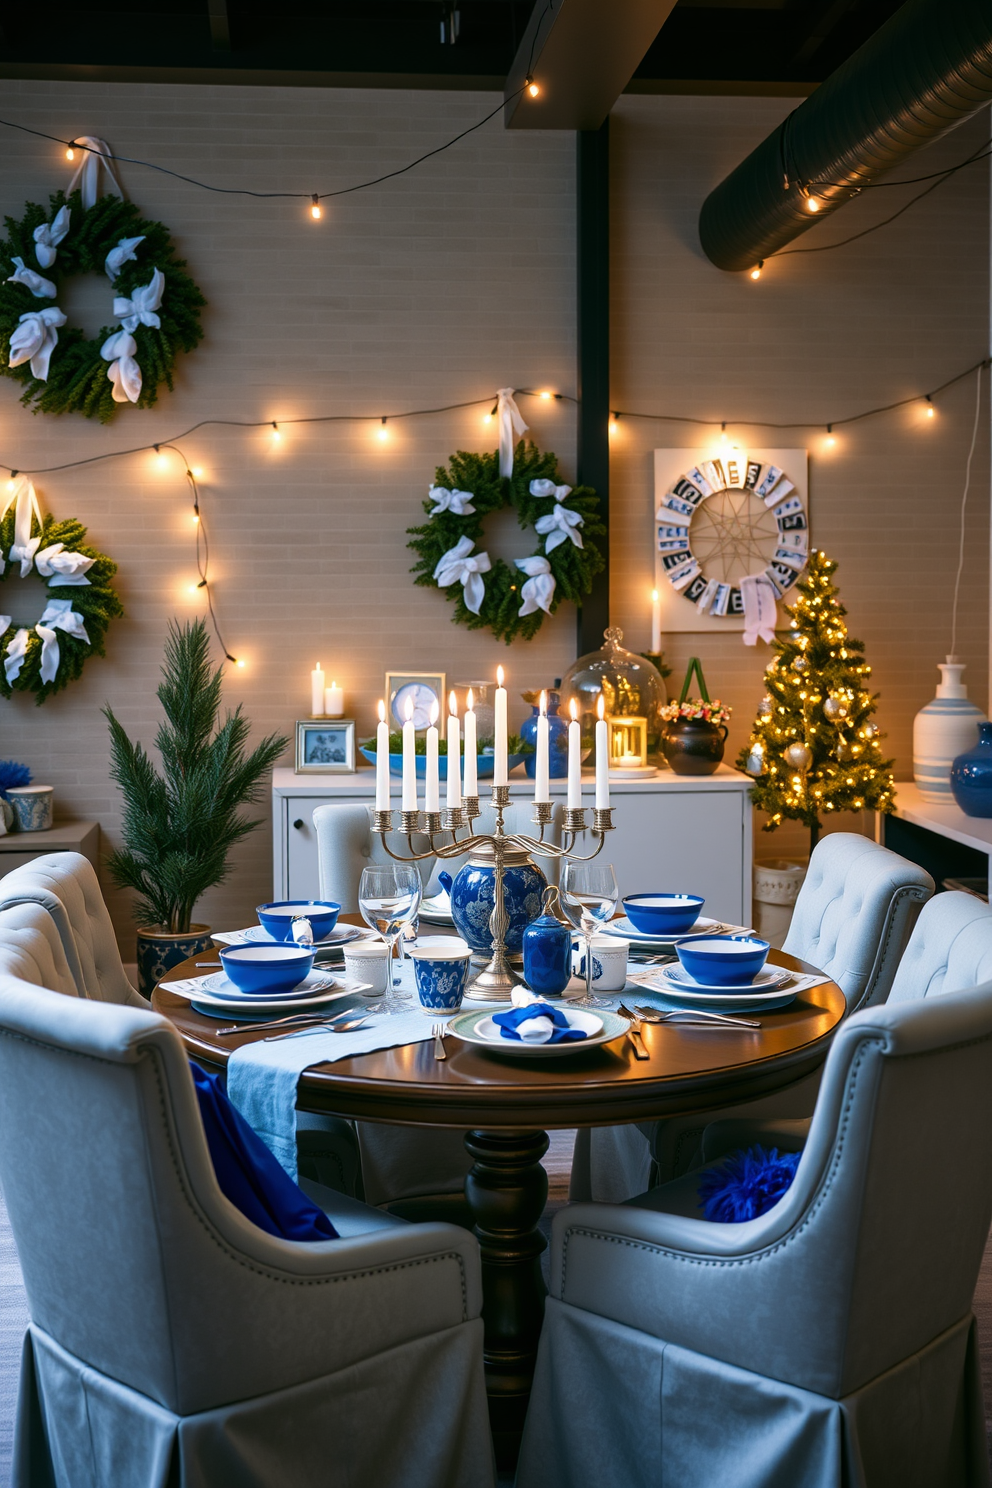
column 202, row 546
column 964, row 504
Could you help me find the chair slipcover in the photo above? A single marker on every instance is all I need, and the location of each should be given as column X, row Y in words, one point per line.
column 830, row 1341
column 396, row 1162
column 67, row 886
column 172, row 1341
column 853, row 917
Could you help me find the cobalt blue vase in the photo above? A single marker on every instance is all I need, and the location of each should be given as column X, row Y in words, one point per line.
column 971, row 776
column 557, row 739
column 473, row 892
column 547, row 945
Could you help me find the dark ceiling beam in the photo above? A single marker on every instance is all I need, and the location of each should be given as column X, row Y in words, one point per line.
column 826, row 21
column 220, row 25
column 582, row 54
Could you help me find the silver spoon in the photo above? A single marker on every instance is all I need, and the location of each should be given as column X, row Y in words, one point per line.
column 316, row 1028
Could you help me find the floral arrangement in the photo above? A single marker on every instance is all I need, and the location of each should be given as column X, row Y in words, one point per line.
column 701, row 708
column 12, row 775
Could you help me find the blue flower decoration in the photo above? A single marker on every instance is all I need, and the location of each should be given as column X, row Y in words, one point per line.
column 12, row 774
column 746, row 1185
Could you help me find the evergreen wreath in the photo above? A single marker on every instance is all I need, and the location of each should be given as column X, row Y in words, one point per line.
column 571, row 567
column 95, row 601
column 78, row 377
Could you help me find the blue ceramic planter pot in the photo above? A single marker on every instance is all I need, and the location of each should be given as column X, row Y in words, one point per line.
column 971, row 776
column 557, row 740
column 159, row 952
column 472, row 893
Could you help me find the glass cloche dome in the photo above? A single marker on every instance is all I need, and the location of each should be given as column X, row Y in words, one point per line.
column 631, row 686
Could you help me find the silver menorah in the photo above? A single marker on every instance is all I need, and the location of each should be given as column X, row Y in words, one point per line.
column 507, row 849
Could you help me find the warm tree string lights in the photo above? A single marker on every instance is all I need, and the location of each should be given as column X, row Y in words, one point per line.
column 813, row 746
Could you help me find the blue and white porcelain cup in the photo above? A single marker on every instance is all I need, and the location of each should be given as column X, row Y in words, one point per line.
column 441, row 971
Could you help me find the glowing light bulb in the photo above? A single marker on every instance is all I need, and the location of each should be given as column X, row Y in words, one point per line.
column 197, row 472
column 613, row 424
column 654, row 596
column 276, row 433
column 487, row 418
column 382, row 433
column 239, row 663
column 756, row 271
column 930, row 410
column 70, row 154
column 315, row 211
column 545, row 397
column 11, row 484
column 533, row 88
column 831, row 438
column 812, row 204
column 196, row 518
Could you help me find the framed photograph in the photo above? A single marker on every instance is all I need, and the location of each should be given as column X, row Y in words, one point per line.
column 423, row 689
column 325, row 746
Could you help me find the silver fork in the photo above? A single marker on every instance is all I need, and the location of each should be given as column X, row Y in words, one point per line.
column 695, row 1015
column 440, row 1052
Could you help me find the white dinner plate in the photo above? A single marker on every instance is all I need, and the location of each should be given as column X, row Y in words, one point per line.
column 766, row 981
column 341, row 935
column 624, row 929
column 436, row 910
column 718, row 1002
column 478, row 1028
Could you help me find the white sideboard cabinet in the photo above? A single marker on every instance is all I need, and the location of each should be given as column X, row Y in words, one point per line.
column 687, row 834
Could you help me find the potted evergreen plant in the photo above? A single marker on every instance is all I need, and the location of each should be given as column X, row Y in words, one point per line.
column 181, row 823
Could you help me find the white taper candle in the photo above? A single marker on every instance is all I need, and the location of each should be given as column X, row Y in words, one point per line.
column 382, row 762
column 409, row 799
column 602, row 759
column 317, row 691
column 432, row 789
column 500, row 745
column 574, row 759
column 454, row 792
column 542, row 764
column 471, row 748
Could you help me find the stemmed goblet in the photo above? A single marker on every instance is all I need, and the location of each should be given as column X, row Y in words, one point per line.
column 589, row 896
column 389, row 898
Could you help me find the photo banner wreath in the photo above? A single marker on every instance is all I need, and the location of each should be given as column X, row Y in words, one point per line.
column 78, row 603
column 731, row 537
column 153, row 305
column 488, row 593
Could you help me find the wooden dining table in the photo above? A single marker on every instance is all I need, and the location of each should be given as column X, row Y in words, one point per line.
column 506, row 1106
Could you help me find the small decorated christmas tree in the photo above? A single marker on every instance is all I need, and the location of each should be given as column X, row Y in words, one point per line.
column 813, row 746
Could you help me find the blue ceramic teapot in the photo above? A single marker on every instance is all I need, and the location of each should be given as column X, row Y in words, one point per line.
column 472, row 892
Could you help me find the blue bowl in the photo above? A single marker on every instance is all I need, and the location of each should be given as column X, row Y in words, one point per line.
column 484, row 771
column 663, row 914
column 723, row 960
column 277, row 918
column 266, row 968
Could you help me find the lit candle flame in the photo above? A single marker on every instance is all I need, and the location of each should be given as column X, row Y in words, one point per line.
column 573, row 710
column 601, row 706
column 434, row 712
column 382, row 711
column 452, row 705
column 408, row 710
column 499, row 676
column 470, row 701
column 544, row 702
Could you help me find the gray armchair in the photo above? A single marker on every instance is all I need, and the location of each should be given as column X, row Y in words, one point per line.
column 854, row 915
column 170, row 1339
column 830, row 1341
column 31, row 948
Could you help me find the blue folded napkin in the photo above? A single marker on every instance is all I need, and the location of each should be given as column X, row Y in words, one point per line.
column 249, row 1175
column 513, row 1025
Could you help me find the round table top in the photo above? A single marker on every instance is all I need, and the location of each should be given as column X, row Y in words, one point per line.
column 690, row 1068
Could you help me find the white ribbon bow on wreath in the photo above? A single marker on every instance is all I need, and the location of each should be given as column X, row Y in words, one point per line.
column 456, row 567
column 24, row 500
column 40, row 287
column 542, row 488
column 558, row 525
column 35, row 339
column 97, row 156
column 60, row 567
column 48, row 235
column 119, row 256
column 539, row 589
column 59, row 615
column 511, row 424
column 120, row 350
column 140, row 308
column 459, row 503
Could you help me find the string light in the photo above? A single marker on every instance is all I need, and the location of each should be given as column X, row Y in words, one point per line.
column 756, row 271
column 382, row 433
column 533, row 88
column 545, row 397
column 315, row 211
column 614, row 421
column 813, row 204
column 276, row 433
column 70, row 153
column 831, row 438
column 930, row 410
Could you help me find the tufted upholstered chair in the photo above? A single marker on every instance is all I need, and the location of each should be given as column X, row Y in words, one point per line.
column 172, row 1340
column 854, row 915
column 31, row 948
column 67, row 886
column 398, row 1164
column 829, row 1341
column 949, row 950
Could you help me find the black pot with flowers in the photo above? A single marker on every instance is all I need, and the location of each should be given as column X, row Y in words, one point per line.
column 695, row 728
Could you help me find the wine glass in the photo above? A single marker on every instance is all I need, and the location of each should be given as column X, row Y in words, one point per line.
column 589, row 896
column 389, row 898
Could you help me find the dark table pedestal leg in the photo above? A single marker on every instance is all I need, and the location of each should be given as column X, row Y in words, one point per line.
column 507, row 1189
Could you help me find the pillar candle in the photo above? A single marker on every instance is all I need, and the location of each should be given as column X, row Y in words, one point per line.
column 317, row 691
column 602, row 759
column 500, row 747
column 409, row 801
column 334, row 700
column 454, row 795
column 471, row 748
column 432, row 789
column 655, row 622
column 542, row 764
column 574, row 760
column 382, row 762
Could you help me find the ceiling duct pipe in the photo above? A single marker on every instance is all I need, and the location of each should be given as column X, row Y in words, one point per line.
column 928, row 68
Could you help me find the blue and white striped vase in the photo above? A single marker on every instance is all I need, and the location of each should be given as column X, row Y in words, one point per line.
column 942, row 730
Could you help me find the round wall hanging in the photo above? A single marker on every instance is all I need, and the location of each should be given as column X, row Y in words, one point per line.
column 488, row 593
column 153, row 306
column 77, row 604
column 732, row 537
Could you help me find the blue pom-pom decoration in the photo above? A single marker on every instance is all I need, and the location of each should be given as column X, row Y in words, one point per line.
column 746, row 1185
column 12, row 774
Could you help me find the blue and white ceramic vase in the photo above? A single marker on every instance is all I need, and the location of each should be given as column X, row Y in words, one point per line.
column 547, row 946
column 473, row 891
column 971, row 776
column 942, row 730
column 158, row 951
column 557, row 739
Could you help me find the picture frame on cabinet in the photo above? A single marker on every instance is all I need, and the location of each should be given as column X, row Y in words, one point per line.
column 422, row 689
column 325, row 746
